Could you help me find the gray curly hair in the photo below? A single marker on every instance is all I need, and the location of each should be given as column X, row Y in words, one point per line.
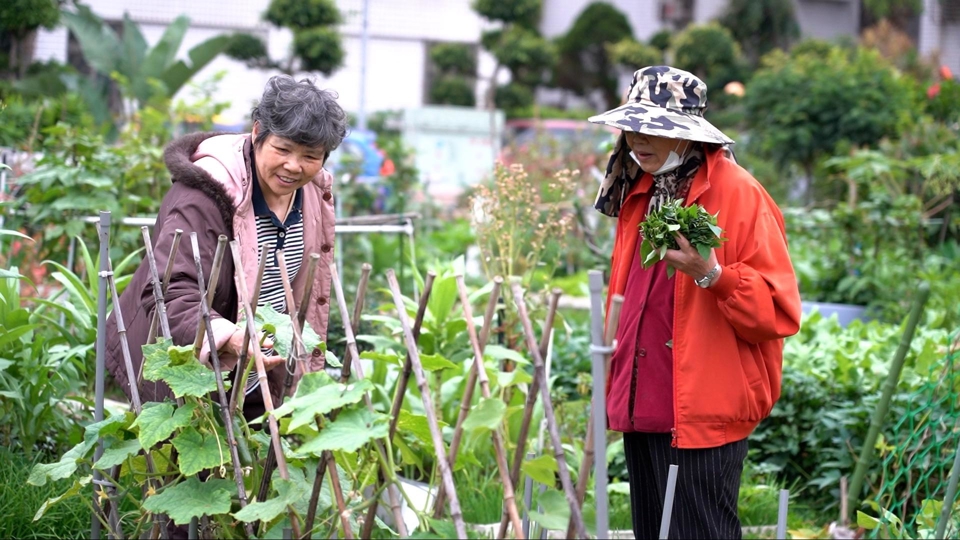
column 300, row 112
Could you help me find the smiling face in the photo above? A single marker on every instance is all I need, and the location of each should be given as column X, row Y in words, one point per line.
column 653, row 151
column 283, row 167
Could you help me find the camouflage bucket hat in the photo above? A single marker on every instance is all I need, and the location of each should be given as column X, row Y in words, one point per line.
column 665, row 102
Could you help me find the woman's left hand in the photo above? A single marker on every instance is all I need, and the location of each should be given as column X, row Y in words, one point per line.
column 688, row 260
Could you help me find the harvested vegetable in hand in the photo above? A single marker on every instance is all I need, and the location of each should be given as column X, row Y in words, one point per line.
column 661, row 226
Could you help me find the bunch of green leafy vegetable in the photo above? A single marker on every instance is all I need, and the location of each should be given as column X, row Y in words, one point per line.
column 660, row 228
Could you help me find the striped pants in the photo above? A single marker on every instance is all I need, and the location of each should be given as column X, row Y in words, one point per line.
column 708, row 486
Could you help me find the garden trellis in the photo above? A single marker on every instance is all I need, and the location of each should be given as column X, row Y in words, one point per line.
column 324, row 456
column 919, row 454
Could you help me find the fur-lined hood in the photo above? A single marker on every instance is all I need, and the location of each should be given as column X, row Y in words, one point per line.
column 182, row 156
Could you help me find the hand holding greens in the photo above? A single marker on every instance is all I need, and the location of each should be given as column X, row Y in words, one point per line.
column 660, row 228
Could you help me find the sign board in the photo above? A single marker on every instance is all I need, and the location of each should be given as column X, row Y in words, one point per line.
column 453, row 146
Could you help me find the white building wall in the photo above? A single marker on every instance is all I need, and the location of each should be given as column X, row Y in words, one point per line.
column 51, row 45
column 828, row 19
column 398, row 35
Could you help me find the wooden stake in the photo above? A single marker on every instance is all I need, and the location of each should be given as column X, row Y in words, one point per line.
column 244, row 365
column 167, row 273
column 401, row 389
column 467, row 398
column 393, row 493
column 212, row 285
column 261, row 372
column 218, row 375
column 446, row 473
column 531, row 400
column 508, row 494
column 540, row 373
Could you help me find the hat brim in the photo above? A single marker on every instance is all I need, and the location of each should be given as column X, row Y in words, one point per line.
column 661, row 122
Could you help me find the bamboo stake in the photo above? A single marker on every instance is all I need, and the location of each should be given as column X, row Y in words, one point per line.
column 274, row 427
column 613, row 322
column 212, row 287
column 218, row 375
column 128, row 363
column 365, row 270
column 467, row 398
column 540, row 373
column 160, row 312
column 244, row 365
column 167, row 273
column 508, row 494
column 345, row 376
column 667, row 515
column 392, row 491
column 401, row 389
column 531, row 400
column 446, row 473
column 297, row 353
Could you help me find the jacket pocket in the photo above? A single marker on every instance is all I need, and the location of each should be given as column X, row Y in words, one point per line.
column 757, row 389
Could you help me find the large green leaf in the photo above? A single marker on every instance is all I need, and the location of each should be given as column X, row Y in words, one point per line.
column 192, row 498
column 416, row 425
column 179, row 73
column 541, row 469
column 282, row 328
column 99, row 43
column 162, row 361
column 158, row 421
column 317, row 394
column 510, row 378
column 73, row 491
column 435, row 362
column 499, row 352
column 134, row 48
column 289, row 493
column 117, row 453
column 67, row 465
column 163, row 54
column 199, row 452
column 442, row 298
column 486, row 415
column 351, row 430
column 556, row 511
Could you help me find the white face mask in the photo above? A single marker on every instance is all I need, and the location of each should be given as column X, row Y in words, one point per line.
column 672, row 162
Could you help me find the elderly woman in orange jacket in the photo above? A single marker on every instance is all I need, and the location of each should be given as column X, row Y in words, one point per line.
column 698, row 358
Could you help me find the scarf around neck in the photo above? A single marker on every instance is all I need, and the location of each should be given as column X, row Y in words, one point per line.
column 675, row 184
column 622, row 172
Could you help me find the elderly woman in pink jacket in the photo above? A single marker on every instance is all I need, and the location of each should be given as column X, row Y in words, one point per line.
column 269, row 191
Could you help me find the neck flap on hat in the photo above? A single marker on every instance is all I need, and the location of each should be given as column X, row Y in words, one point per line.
column 623, row 172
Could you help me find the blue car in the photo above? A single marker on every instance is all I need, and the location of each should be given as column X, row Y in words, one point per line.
column 359, row 147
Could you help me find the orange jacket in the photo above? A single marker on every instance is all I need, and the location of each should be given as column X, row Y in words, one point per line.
column 728, row 339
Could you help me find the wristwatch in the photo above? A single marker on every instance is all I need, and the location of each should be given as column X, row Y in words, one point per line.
column 707, row 280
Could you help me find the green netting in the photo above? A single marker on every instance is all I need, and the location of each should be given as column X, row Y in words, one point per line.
column 917, row 454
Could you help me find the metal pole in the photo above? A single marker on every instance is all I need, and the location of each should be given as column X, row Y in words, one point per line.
column 101, row 357
column 668, row 503
column 889, row 387
column 782, row 514
column 527, row 499
column 364, row 36
column 947, row 507
column 599, row 409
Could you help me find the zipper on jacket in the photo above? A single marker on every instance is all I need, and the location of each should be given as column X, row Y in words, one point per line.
column 673, row 437
column 633, row 382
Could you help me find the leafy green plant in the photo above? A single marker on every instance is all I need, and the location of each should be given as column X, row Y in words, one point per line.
column 19, row 502
column 662, row 225
column 128, row 55
column 47, row 355
column 317, row 44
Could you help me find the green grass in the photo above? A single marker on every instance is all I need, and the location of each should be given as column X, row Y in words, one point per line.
column 19, row 502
